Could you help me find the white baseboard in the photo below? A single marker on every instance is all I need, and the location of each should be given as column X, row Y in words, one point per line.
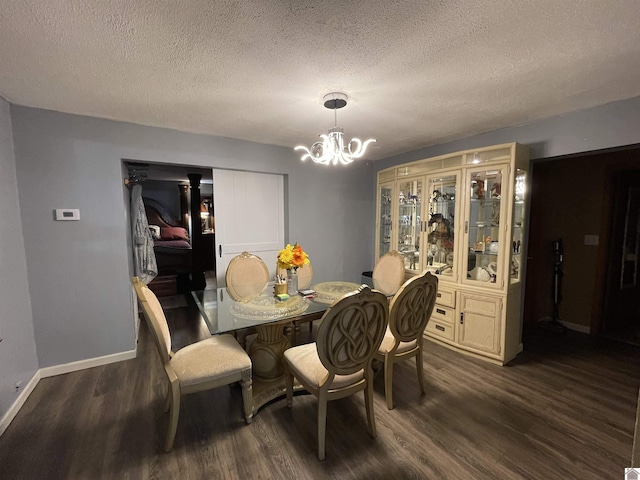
column 58, row 370
column 17, row 405
column 88, row 363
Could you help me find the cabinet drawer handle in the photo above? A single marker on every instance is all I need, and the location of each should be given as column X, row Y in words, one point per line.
column 439, row 295
column 439, row 327
column 440, row 311
column 461, row 318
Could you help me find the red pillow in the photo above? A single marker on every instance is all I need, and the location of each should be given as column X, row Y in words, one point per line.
column 174, row 233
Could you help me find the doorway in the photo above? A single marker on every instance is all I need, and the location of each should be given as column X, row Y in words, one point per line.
column 621, row 314
column 573, row 198
column 177, row 216
column 231, row 212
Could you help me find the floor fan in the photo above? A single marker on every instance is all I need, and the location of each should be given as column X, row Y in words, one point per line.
column 554, row 324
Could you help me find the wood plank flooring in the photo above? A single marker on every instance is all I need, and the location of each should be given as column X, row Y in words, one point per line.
column 564, row 409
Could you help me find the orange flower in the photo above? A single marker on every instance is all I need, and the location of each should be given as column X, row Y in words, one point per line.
column 292, row 257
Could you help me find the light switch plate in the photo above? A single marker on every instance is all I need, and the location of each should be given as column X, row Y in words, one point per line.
column 591, row 239
column 67, row 214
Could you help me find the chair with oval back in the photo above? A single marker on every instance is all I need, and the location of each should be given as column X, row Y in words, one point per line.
column 219, row 360
column 338, row 364
column 409, row 311
column 247, row 275
column 388, row 273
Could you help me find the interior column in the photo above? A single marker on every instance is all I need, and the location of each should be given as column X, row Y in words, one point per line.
column 198, row 280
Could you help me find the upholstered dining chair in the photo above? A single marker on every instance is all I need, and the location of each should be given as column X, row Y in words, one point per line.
column 338, row 364
column 388, row 273
column 409, row 312
column 211, row 363
column 246, row 275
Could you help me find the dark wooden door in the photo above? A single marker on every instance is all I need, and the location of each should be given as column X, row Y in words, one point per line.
column 621, row 314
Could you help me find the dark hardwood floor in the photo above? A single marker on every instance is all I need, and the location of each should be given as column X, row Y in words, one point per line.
column 564, row 409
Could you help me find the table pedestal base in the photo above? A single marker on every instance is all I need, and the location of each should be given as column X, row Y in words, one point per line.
column 269, row 372
column 267, row 352
column 266, row 391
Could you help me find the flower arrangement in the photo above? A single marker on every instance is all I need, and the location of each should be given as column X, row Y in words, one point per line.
column 292, row 257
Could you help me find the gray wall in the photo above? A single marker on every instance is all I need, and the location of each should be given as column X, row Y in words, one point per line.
column 18, row 358
column 79, row 272
column 611, row 125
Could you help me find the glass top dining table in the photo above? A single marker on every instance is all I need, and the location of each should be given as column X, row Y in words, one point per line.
column 223, row 314
column 269, row 316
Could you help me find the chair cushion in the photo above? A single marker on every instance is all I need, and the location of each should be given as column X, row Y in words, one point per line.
column 218, row 356
column 306, row 366
column 389, row 340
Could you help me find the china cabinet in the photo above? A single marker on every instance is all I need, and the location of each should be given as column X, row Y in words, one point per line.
column 385, row 196
column 463, row 217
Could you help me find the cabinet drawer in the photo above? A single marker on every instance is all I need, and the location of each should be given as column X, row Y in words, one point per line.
column 443, row 314
column 446, row 297
column 439, row 328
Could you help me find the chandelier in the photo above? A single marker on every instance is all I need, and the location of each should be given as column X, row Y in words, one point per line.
column 333, row 149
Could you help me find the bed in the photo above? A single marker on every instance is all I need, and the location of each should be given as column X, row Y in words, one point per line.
column 172, row 244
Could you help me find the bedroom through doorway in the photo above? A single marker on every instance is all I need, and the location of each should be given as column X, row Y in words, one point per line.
column 178, row 202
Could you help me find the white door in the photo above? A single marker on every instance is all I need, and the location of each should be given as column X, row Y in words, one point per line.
column 249, row 216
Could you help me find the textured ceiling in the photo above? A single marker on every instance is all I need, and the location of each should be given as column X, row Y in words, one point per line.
column 417, row 72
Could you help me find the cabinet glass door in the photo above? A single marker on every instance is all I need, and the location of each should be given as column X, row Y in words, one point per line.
column 409, row 218
column 385, row 196
column 484, row 227
column 440, row 232
column 517, row 242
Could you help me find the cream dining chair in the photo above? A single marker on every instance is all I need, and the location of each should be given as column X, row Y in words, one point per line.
column 388, row 273
column 338, row 364
column 211, row 363
column 247, row 275
column 409, row 312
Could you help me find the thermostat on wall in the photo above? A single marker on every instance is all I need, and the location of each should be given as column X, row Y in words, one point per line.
column 67, row 214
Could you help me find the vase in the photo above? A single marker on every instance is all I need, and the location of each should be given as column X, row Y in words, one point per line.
column 292, row 281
